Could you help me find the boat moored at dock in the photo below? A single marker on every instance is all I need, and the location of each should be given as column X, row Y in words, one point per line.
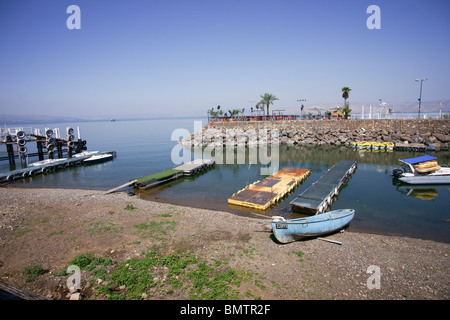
column 422, row 170
column 50, row 165
column 99, row 158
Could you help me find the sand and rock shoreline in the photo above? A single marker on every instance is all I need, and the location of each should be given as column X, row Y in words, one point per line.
column 49, row 227
column 429, row 133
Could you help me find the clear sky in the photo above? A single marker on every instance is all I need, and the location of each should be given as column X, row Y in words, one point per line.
column 183, row 57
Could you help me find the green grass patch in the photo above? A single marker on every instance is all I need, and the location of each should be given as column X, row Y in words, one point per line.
column 157, row 273
column 299, row 254
column 155, row 229
column 33, row 272
column 89, row 262
column 130, row 207
column 99, row 226
column 21, row 233
column 55, row 233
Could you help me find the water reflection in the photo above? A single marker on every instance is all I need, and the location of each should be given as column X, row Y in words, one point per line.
column 317, row 155
column 382, row 205
column 423, row 192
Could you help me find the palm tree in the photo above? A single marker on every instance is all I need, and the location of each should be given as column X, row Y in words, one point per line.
column 345, row 91
column 346, row 110
column 267, row 99
column 213, row 113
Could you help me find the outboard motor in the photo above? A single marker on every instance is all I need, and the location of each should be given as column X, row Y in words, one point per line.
column 397, row 172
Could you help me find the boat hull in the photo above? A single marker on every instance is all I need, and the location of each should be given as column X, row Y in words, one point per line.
column 425, row 179
column 290, row 230
column 99, row 158
column 47, row 162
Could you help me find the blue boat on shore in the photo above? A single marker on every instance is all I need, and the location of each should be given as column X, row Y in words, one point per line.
column 288, row 230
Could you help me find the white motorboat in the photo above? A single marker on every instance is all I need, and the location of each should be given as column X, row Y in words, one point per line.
column 85, row 153
column 46, row 162
column 422, row 170
column 99, row 158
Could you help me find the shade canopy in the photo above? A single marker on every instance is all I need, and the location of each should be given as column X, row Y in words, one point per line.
column 418, row 159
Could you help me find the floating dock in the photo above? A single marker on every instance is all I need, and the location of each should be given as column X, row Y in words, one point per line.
column 48, row 166
column 186, row 169
column 195, row 166
column 410, row 147
column 262, row 194
column 318, row 196
column 50, row 143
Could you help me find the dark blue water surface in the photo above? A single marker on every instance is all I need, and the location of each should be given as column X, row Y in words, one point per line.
column 144, row 147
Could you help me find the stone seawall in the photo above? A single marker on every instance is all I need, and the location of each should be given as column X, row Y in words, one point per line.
column 430, row 132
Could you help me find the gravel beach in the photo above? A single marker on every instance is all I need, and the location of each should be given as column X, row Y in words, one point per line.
column 51, row 227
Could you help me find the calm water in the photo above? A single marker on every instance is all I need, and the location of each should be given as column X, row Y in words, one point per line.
column 144, row 147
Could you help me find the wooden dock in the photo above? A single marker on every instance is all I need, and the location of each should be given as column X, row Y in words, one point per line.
column 195, row 166
column 262, row 194
column 319, row 195
column 51, row 143
column 410, row 147
column 186, row 169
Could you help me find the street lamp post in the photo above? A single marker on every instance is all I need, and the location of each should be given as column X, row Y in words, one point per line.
column 420, row 97
column 440, row 108
column 301, row 108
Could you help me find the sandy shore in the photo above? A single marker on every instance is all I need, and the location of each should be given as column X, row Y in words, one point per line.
column 49, row 227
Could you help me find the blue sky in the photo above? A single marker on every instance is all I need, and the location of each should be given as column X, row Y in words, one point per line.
column 183, row 57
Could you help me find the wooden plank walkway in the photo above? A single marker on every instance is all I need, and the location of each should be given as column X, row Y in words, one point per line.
column 320, row 194
column 195, row 166
column 262, row 194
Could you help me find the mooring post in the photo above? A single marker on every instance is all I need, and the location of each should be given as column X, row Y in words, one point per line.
column 69, row 150
column 10, row 150
column 59, row 148
column 39, row 149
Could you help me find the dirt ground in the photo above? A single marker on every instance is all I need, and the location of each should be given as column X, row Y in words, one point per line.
column 49, row 227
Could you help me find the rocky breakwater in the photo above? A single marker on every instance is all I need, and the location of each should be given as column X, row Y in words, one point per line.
column 430, row 132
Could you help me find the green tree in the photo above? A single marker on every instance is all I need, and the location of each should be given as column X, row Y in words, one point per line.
column 346, row 110
column 267, row 100
column 213, row 113
column 345, row 91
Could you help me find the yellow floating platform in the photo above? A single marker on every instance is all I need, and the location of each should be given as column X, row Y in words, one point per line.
column 262, row 194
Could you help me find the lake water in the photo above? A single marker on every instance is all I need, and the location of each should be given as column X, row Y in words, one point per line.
column 145, row 147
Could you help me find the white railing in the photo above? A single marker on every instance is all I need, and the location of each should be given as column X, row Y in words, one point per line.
column 397, row 115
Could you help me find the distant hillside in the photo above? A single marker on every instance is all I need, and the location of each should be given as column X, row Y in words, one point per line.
column 24, row 119
column 356, row 107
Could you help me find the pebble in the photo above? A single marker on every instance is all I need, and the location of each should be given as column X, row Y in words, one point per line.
column 75, row 296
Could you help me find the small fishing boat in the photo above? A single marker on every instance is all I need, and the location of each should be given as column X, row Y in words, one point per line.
column 292, row 229
column 99, row 158
column 422, row 170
